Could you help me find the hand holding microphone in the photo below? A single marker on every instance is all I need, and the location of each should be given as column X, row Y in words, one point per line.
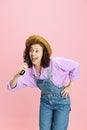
column 21, row 71
column 23, row 68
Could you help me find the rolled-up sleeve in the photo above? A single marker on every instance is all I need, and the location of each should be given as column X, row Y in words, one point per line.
column 74, row 73
column 18, row 85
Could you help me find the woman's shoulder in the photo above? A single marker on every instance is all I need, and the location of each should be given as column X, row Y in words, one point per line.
column 55, row 61
column 59, row 59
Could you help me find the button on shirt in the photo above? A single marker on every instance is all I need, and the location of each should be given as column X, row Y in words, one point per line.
column 61, row 70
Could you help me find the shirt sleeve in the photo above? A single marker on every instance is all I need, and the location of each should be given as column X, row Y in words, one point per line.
column 69, row 65
column 18, row 85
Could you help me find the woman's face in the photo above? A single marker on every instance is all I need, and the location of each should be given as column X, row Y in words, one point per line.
column 36, row 53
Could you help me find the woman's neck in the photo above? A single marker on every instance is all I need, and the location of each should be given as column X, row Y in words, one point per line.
column 38, row 68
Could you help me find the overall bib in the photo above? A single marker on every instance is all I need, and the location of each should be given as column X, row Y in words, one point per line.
column 54, row 108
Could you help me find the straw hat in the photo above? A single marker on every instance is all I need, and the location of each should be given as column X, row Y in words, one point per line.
column 40, row 39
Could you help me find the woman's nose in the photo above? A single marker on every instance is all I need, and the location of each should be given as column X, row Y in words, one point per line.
column 33, row 53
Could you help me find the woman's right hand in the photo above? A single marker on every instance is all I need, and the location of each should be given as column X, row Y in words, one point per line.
column 14, row 80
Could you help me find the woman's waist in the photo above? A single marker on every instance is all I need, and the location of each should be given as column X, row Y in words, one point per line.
column 52, row 92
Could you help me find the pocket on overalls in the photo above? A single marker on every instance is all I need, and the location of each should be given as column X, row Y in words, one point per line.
column 65, row 100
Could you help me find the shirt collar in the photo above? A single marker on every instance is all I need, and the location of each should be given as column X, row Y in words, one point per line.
column 33, row 71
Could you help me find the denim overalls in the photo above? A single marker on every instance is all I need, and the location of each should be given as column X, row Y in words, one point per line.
column 54, row 108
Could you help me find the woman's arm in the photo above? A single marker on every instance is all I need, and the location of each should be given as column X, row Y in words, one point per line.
column 14, row 80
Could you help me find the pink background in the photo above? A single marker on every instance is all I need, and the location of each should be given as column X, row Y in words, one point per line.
column 64, row 24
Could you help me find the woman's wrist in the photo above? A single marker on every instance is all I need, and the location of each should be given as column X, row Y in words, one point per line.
column 13, row 82
column 71, row 84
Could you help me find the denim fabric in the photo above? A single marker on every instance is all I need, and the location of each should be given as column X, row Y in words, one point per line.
column 54, row 108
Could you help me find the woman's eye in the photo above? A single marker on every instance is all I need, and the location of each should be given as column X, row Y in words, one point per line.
column 37, row 51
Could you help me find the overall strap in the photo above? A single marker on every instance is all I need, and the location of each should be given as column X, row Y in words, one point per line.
column 49, row 75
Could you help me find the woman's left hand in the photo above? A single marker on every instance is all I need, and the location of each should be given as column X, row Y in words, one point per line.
column 67, row 89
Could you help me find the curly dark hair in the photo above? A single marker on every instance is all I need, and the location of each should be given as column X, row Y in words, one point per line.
column 45, row 58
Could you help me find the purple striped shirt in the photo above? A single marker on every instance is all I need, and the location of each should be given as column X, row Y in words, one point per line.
column 61, row 69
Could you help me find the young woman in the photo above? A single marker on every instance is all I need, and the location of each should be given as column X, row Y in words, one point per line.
column 53, row 76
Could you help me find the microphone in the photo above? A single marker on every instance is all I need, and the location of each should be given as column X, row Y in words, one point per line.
column 22, row 72
column 26, row 61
